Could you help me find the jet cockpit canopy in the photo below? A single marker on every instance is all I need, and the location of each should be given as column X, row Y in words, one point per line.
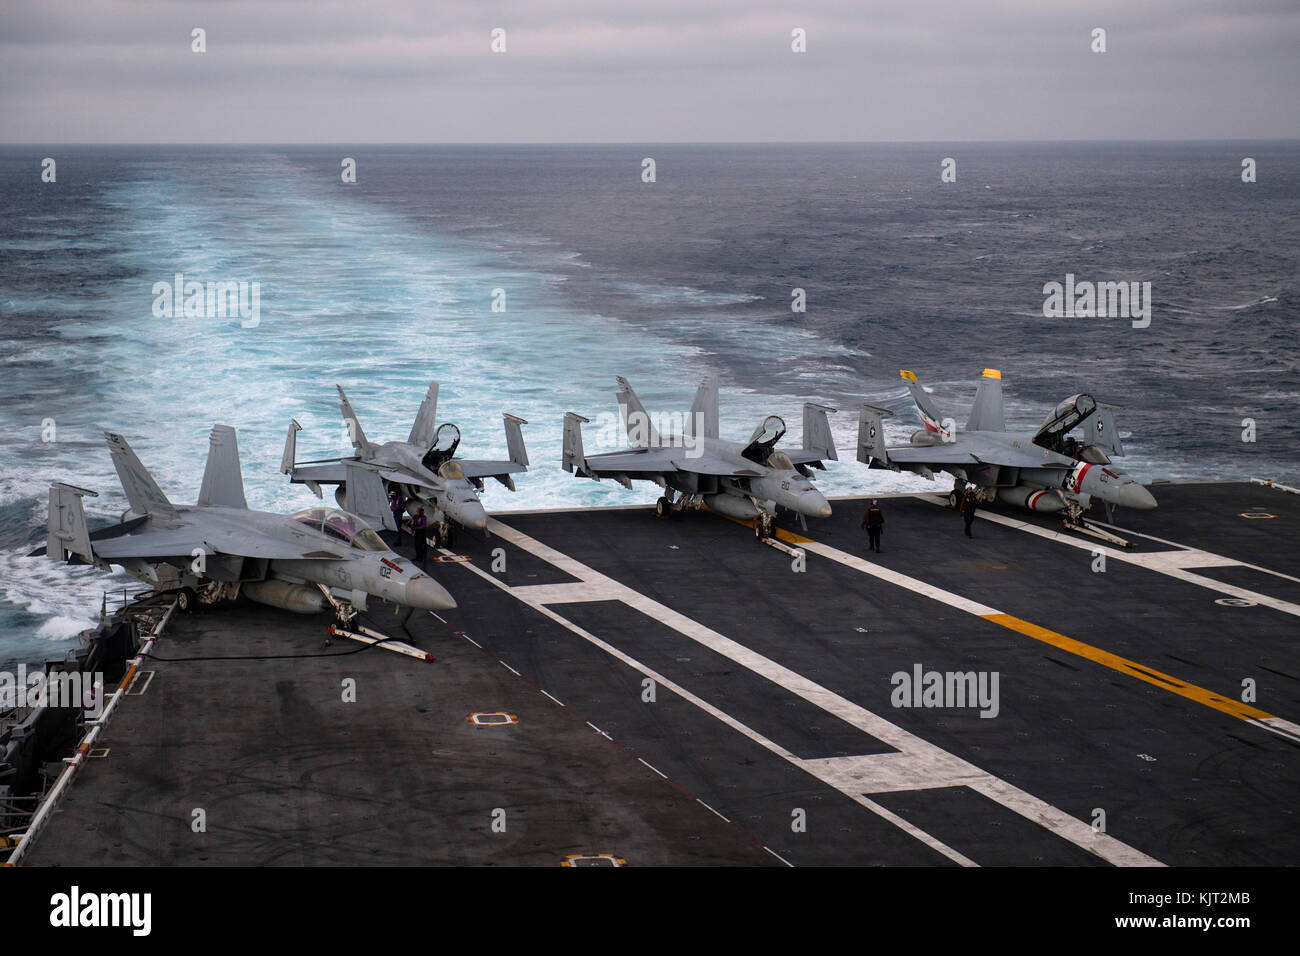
column 343, row 526
column 764, row 439
column 445, row 440
column 1068, row 415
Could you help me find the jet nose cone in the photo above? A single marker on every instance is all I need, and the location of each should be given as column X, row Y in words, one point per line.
column 1135, row 496
column 469, row 514
column 814, row 505
column 427, row 594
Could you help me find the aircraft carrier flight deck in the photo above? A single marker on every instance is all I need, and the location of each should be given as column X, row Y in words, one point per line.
column 669, row 691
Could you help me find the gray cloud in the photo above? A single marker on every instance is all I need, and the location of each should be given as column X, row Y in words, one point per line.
column 588, row 70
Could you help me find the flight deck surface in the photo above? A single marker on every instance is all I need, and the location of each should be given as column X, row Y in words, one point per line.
column 687, row 695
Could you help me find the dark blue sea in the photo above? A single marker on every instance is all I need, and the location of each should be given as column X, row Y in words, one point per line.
column 387, row 283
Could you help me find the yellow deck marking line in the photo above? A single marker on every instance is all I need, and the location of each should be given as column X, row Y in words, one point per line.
column 917, row 763
column 1152, row 676
column 1159, row 561
column 1208, row 698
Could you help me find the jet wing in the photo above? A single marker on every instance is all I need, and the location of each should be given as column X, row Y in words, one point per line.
column 649, row 461
column 332, row 474
column 943, row 454
column 716, row 466
column 962, row 453
column 337, row 474
column 660, row 461
column 489, row 469
column 806, row 456
column 405, row 477
column 182, row 542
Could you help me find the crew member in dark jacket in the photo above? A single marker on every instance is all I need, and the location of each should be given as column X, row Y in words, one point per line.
column 874, row 522
column 968, row 505
column 418, row 525
column 398, row 505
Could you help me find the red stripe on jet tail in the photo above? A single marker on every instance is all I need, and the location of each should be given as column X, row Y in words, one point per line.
column 1078, row 481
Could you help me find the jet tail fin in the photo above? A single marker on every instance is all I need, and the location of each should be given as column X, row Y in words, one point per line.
column 426, row 420
column 362, row 447
column 871, row 434
column 1103, row 433
column 223, row 481
column 290, row 457
column 931, row 417
column 515, row 440
column 66, row 533
column 640, row 432
column 364, row 496
column 703, row 419
column 573, row 458
column 986, row 415
column 817, row 431
column 141, row 490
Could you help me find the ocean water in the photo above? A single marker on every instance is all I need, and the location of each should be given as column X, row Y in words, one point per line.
column 388, row 283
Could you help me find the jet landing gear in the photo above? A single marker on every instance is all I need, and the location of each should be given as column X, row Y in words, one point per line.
column 763, row 525
column 1073, row 520
column 669, row 504
column 345, row 625
column 958, row 490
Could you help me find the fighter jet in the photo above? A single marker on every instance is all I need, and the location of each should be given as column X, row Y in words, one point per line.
column 297, row 562
column 745, row 480
column 422, row 468
column 1043, row 470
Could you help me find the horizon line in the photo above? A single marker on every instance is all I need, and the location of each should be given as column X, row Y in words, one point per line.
column 666, row 142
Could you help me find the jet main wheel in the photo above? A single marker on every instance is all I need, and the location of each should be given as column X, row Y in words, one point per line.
column 952, row 500
column 662, row 508
column 187, row 600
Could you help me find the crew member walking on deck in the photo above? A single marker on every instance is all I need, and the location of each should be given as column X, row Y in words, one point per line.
column 968, row 505
column 418, row 524
column 397, row 504
column 874, row 522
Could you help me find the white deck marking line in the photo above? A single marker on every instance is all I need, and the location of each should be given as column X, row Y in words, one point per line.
column 932, row 762
column 572, row 593
column 907, row 827
column 553, row 697
column 711, row 810
column 1158, row 561
column 686, row 695
column 655, row 769
column 1222, row 560
column 509, row 668
column 1283, row 728
column 778, row 856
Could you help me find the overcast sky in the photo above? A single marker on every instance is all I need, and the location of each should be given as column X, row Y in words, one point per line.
column 329, row 71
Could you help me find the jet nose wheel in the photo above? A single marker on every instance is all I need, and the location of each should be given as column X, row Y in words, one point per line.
column 662, row 508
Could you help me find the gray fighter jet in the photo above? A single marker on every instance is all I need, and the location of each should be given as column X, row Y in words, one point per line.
column 297, row 562
column 422, row 468
column 1044, row 470
column 745, row 480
